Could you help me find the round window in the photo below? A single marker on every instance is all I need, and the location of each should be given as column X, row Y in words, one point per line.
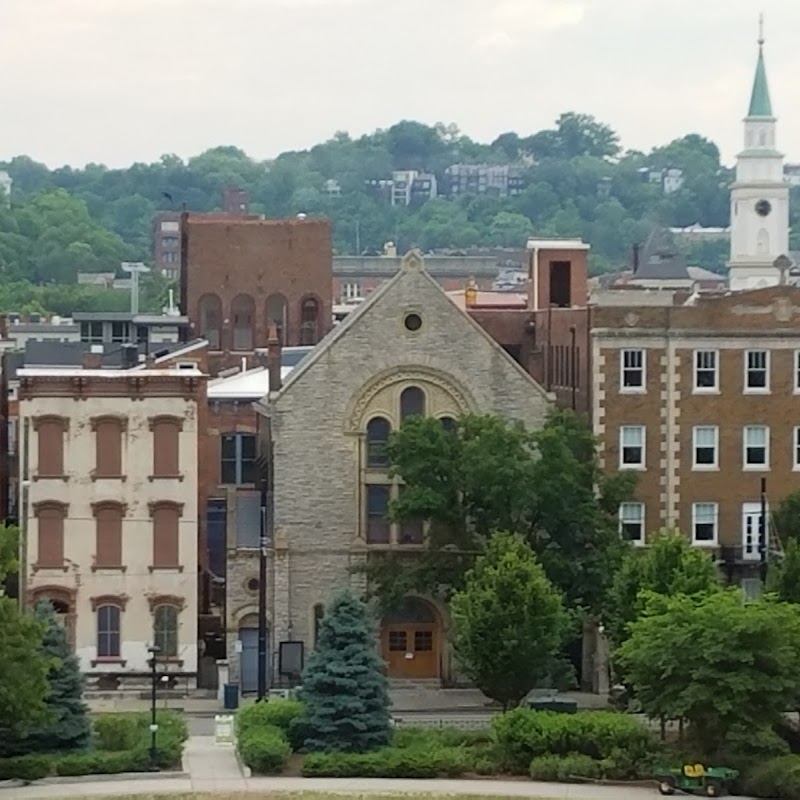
column 413, row 322
column 763, row 207
column 252, row 584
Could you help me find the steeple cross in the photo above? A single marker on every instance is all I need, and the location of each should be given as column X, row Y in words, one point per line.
column 760, row 30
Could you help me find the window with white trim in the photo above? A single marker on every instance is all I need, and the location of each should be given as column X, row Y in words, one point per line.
column 756, row 371
column 705, row 446
column 706, row 378
column 704, row 523
column 631, row 446
column 632, row 370
column 756, row 446
column 631, row 522
column 796, row 449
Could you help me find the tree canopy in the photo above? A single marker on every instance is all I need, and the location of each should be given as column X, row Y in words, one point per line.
column 510, row 621
column 491, row 475
column 670, row 566
column 578, row 181
column 726, row 666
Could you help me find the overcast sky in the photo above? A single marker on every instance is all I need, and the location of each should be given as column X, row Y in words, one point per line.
column 116, row 81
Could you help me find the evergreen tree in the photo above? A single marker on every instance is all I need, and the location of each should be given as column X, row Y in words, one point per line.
column 344, row 688
column 67, row 726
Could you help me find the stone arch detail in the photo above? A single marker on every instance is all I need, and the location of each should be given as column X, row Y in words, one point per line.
column 419, row 375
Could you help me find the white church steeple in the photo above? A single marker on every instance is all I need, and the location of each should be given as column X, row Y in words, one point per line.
column 759, row 195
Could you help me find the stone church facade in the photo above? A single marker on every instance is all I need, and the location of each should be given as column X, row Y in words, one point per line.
column 408, row 349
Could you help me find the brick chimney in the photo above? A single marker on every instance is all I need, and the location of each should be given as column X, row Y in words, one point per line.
column 274, row 359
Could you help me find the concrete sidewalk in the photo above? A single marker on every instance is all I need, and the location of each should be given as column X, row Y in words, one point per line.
column 268, row 786
column 212, row 767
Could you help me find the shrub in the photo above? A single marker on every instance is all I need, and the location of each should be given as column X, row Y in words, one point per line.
column 265, row 750
column 26, row 768
column 270, row 714
column 438, row 737
column 622, row 765
column 522, row 735
column 391, row 762
column 116, row 732
column 571, row 767
column 777, row 778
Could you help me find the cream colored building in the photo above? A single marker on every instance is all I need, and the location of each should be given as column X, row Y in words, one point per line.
column 108, row 470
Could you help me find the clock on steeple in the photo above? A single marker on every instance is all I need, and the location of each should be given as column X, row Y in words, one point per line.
column 763, row 207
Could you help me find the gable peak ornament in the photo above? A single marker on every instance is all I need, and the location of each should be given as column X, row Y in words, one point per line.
column 412, row 261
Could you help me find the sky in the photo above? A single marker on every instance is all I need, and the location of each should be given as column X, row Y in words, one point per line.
column 119, row 81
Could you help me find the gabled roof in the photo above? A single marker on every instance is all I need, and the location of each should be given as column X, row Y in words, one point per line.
column 412, row 263
column 661, row 259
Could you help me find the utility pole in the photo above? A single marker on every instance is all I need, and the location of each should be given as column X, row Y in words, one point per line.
column 762, row 538
column 573, row 369
column 134, row 269
column 358, row 237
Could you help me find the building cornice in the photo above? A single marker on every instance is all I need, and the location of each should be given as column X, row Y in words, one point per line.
column 134, row 386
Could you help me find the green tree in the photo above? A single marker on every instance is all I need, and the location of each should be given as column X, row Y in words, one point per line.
column 785, row 578
column 670, row 566
column 723, row 665
column 509, row 620
column 24, row 686
column 493, row 475
column 344, row 688
column 9, row 551
column 786, row 518
column 67, row 725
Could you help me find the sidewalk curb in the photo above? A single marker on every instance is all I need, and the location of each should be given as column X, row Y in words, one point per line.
column 57, row 780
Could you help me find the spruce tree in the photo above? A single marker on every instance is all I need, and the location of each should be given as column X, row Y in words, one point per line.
column 67, row 726
column 344, row 688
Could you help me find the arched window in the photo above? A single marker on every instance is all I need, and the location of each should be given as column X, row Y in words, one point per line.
column 449, row 424
column 108, row 618
column 412, row 402
column 242, row 313
column 165, row 631
column 211, row 320
column 309, row 321
column 277, row 315
column 378, row 430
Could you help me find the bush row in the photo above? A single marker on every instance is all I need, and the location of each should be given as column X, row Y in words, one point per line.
column 391, row 762
column 777, row 778
column 523, row 735
column 122, row 744
column 267, row 732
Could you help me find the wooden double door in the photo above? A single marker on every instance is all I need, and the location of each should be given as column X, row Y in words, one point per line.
column 411, row 641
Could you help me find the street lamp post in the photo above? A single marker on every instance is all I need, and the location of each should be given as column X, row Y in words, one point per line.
column 154, row 651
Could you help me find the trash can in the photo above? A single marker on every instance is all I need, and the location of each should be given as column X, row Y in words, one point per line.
column 231, row 696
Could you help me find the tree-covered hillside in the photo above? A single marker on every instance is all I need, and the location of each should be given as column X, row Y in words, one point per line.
column 578, row 181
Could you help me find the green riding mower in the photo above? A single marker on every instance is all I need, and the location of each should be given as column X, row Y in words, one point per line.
column 695, row 779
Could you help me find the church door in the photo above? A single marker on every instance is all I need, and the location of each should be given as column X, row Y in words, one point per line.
column 411, row 641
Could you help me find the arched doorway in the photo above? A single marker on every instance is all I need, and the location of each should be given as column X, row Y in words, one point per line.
column 248, row 656
column 411, row 640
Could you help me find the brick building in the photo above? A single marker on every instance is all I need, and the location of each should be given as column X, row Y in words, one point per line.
column 238, row 276
column 702, row 401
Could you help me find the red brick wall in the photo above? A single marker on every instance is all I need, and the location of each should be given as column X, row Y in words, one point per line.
column 259, row 258
column 578, row 277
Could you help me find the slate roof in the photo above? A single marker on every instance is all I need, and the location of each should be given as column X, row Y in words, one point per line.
column 661, row 259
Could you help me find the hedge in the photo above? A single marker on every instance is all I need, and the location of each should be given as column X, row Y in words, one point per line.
column 572, row 767
column 776, row 778
column 265, row 750
column 523, row 734
column 122, row 744
column 286, row 715
column 391, row 762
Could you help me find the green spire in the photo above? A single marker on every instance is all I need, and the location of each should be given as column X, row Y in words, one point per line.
column 760, row 104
